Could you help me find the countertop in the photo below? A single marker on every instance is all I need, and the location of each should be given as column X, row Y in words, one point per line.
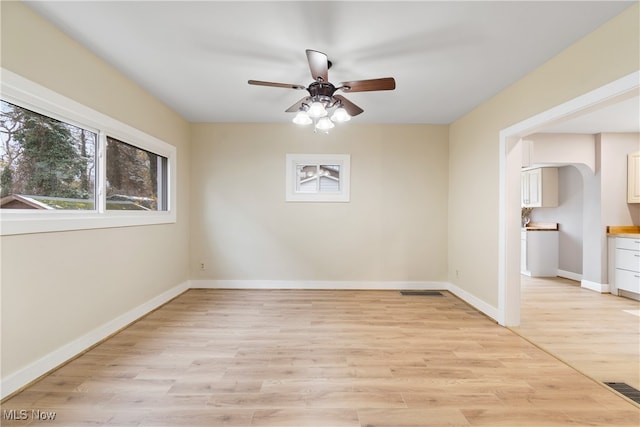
column 632, row 231
column 541, row 226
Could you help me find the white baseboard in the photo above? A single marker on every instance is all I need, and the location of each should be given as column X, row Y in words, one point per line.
column 570, row 275
column 603, row 288
column 15, row 381
column 474, row 301
column 316, row 284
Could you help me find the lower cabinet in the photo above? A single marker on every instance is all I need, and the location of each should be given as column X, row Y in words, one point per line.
column 626, row 264
column 628, row 280
column 539, row 253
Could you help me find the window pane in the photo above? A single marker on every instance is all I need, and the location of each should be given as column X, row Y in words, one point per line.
column 307, row 181
column 44, row 163
column 136, row 178
column 329, row 178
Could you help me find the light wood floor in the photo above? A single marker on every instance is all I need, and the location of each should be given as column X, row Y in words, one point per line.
column 319, row 358
column 595, row 333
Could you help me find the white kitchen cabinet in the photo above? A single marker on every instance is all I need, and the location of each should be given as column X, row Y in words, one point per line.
column 626, row 264
column 539, row 253
column 633, row 177
column 539, row 188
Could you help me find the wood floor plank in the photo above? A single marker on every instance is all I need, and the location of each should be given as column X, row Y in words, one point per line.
column 305, row 417
column 413, row 417
column 518, row 417
column 322, row 358
column 201, row 417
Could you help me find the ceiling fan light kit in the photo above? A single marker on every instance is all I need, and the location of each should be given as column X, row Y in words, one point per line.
column 322, row 100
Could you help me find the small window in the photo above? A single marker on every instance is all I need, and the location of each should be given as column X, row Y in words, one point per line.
column 45, row 163
column 317, row 177
column 136, row 178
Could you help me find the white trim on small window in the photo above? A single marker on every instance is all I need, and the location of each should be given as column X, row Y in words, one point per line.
column 27, row 94
column 318, row 177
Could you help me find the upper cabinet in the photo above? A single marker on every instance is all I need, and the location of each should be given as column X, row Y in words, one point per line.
column 633, row 177
column 539, row 188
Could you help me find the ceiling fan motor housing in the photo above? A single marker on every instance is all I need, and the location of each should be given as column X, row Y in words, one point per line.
column 321, row 91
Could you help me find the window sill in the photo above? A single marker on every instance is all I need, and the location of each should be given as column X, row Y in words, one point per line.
column 14, row 223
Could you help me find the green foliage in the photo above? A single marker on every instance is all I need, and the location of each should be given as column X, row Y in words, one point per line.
column 49, row 159
column 131, row 171
column 6, row 181
column 44, row 156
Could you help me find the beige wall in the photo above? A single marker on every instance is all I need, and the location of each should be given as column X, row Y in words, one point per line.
column 603, row 56
column 57, row 287
column 394, row 228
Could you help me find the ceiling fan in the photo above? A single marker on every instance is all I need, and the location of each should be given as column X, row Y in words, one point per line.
column 322, row 97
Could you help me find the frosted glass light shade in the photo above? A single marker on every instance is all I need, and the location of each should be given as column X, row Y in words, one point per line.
column 324, row 124
column 316, row 109
column 340, row 115
column 302, row 118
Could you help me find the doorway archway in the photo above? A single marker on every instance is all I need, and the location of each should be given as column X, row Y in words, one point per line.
column 509, row 184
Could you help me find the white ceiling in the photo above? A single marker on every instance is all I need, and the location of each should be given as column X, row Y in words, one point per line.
column 446, row 57
column 622, row 115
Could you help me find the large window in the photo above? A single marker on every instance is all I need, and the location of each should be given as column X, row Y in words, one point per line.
column 64, row 166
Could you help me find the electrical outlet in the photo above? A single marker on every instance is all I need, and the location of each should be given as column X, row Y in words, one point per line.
column 202, row 266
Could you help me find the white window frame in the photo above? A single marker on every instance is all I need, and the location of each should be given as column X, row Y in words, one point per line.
column 27, row 94
column 295, row 160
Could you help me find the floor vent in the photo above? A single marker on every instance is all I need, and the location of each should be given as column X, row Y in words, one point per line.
column 626, row 390
column 422, row 293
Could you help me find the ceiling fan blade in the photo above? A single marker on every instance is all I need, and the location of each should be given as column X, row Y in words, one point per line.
column 284, row 85
column 351, row 108
column 319, row 65
column 386, row 83
column 296, row 107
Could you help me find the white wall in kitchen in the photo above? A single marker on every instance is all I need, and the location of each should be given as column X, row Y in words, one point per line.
column 569, row 215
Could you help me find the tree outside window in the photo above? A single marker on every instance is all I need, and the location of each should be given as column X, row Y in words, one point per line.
column 44, row 157
column 133, row 176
